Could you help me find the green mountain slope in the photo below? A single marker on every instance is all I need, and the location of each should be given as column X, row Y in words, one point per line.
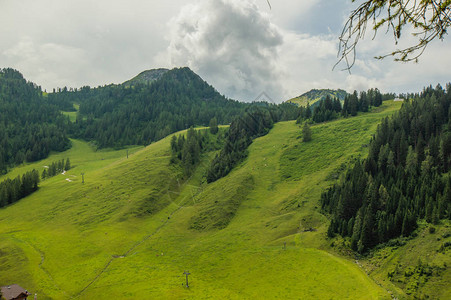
column 315, row 95
column 147, row 76
column 135, row 225
column 116, row 115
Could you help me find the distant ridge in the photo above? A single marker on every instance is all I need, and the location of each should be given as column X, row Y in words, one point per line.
column 316, row 95
column 146, row 76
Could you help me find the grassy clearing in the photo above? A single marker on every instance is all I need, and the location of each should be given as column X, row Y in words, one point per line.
column 72, row 114
column 128, row 231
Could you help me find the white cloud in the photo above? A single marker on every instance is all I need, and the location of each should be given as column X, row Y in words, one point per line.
column 308, row 62
column 231, row 44
column 41, row 62
column 288, row 12
column 360, row 83
column 433, row 67
column 78, row 42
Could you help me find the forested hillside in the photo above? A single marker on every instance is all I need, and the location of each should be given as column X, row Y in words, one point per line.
column 404, row 178
column 118, row 115
column 30, row 126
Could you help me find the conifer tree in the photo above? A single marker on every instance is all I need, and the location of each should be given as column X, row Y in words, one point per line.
column 60, row 165
column 356, row 231
column 306, row 133
column 67, row 165
column 213, row 126
column 308, row 111
column 353, row 104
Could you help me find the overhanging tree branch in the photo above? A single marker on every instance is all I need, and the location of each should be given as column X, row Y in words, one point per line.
column 428, row 18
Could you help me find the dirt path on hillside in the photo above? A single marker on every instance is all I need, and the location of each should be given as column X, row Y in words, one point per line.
column 40, row 265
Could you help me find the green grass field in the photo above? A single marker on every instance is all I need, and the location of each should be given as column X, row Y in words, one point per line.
column 136, row 225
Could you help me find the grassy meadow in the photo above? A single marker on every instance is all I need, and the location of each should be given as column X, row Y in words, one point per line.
column 135, row 225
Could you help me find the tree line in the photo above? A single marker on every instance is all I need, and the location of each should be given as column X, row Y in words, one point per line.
column 404, row 178
column 12, row 190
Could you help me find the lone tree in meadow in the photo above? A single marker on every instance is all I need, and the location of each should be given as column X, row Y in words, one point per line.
column 306, row 133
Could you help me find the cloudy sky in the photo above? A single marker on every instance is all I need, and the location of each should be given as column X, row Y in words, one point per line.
column 241, row 47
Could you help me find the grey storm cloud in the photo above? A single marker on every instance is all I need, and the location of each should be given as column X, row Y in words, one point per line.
column 231, row 43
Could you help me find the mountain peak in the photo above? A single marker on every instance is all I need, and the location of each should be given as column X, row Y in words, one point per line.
column 146, row 76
